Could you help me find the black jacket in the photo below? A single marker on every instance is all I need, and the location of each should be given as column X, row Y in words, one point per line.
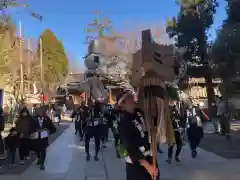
column 2, row 123
column 133, row 136
column 11, row 142
column 46, row 124
column 25, row 125
column 176, row 119
column 114, row 120
column 80, row 113
column 95, row 117
column 194, row 132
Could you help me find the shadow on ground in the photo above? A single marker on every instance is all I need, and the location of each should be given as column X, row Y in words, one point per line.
column 219, row 145
column 19, row 169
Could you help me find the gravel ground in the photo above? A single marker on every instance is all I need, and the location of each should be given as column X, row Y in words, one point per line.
column 19, row 169
column 219, row 145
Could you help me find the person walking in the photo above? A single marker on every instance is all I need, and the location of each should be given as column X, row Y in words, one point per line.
column 76, row 118
column 11, row 145
column 79, row 116
column 24, row 126
column 113, row 123
column 105, row 125
column 178, row 139
column 94, row 129
column 64, row 110
column 223, row 118
column 215, row 120
column 195, row 134
column 57, row 111
column 2, row 126
column 43, row 127
column 135, row 140
column 84, row 113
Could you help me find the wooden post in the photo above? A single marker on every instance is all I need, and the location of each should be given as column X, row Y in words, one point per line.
column 110, row 95
column 21, row 62
column 41, row 70
column 29, row 59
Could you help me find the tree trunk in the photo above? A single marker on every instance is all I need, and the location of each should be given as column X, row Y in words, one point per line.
column 226, row 90
column 210, row 93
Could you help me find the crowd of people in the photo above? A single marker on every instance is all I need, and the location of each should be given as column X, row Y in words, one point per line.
column 29, row 134
column 94, row 121
column 124, row 119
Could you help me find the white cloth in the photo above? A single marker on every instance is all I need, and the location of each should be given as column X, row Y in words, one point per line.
column 143, row 150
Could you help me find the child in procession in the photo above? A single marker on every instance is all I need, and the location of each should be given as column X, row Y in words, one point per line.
column 11, row 144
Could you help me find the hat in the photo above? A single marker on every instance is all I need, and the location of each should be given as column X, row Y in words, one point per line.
column 124, row 96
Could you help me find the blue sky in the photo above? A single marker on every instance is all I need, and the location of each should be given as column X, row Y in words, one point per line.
column 67, row 19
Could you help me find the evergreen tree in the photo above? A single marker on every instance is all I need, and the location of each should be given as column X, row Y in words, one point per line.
column 225, row 50
column 55, row 61
column 190, row 29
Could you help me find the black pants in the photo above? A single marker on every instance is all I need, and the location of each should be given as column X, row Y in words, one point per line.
column 225, row 125
column 137, row 172
column 24, row 147
column 194, row 143
column 79, row 128
column 2, row 148
column 116, row 139
column 178, row 144
column 93, row 132
column 116, row 142
column 41, row 154
column 105, row 131
column 11, row 156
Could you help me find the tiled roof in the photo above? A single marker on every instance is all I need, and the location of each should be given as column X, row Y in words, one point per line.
column 75, row 78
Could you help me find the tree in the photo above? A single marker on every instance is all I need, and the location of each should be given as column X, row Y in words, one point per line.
column 225, row 49
column 98, row 27
column 190, row 29
column 8, row 41
column 55, row 61
column 129, row 42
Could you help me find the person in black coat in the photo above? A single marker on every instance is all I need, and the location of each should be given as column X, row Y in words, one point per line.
column 11, row 145
column 24, row 126
column 176, row 121
column 76, row 117
column 43, row 128
column 134, row 139
column 114, row 120
column 195, row 134
column 105, row 124
column 2, row 124
column 94, row 129
column 79, row 115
